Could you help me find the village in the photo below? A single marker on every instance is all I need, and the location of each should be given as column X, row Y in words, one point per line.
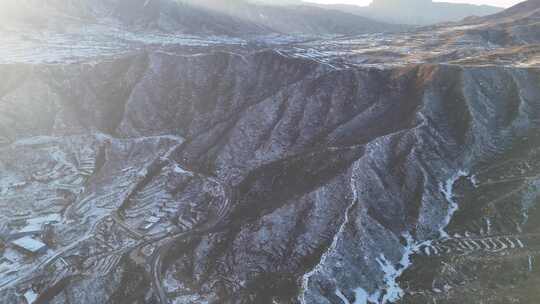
column 23, row 241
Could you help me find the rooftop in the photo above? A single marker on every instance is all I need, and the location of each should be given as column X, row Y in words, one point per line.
column 29, row 244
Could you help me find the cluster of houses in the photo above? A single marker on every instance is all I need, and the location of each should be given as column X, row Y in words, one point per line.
column 149, row 223
column 23, row 239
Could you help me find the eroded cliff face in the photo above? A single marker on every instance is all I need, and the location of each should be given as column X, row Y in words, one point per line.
column 263, row 178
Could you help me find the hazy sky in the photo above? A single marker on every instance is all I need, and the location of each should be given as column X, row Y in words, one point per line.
column 501, row 3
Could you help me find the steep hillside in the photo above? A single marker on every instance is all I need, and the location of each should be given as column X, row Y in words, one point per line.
column 305, row 171
column 519, row 25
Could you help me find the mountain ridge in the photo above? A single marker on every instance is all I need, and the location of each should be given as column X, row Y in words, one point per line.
column 209, row 17
column 423, row 12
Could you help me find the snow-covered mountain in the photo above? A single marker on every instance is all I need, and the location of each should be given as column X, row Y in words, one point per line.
column 138, row 167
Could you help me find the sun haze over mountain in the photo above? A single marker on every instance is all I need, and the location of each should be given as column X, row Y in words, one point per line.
column 414, row 12
column 499, row 3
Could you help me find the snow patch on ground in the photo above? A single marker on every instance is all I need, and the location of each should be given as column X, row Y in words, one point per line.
column 391, row 273
column 342, row 296
column 178, row 169
column 392, row 290
column 318, row 267
column 447, row 188
column 474, row 181
column 30, row 296
column 360, row 296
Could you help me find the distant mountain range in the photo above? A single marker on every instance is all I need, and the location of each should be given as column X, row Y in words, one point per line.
column 289, row 18
column 202, row 17
column 235, row 17
column 416, row 12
